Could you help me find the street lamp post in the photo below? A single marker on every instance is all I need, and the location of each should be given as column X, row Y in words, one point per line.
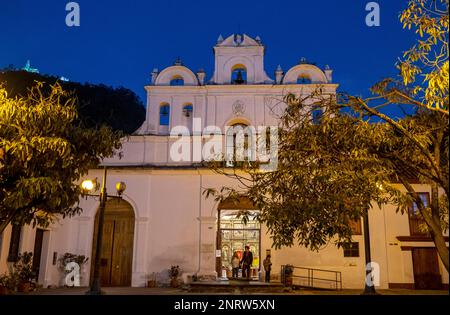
column 87, row 185
column 369, row 288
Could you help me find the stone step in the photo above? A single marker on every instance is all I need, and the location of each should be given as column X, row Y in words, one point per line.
column 235, row 286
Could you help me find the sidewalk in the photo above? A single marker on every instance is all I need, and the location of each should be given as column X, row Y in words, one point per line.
column 171, row 291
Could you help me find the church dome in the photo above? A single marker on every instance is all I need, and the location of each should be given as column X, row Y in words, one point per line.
column 177, row 74
column 305, row 71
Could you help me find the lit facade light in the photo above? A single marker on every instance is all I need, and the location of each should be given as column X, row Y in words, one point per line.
column 120, row 187
column 88, row 185
column 379, row 186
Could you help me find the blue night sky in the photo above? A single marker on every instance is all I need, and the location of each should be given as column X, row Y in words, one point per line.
column 120, row 42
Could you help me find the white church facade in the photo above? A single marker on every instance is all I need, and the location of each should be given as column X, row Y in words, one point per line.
column 164, row 218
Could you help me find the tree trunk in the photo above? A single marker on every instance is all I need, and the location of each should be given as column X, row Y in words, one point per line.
column 436, row 228
column 441, row 247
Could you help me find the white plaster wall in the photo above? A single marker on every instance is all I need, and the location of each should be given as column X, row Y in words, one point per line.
column 170, row 215
column 4, row 248
column 174, row 223
column 214, row 103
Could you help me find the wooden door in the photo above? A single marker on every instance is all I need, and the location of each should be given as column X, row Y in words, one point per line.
column 426, row 269
column 123, row 251
column 117, row 244
column 37, row 252
column 107, row 248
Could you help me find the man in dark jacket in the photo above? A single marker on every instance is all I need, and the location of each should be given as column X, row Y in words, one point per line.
column 247, row 261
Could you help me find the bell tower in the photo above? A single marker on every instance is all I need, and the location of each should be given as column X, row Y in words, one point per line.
column 239, row 59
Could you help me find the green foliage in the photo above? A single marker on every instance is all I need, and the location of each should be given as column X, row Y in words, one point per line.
column 21, row 272
column 424, row 68
column 325, row 178
column 44, row 151
column 424, row 72
column 288, row 270
column 23, row 267
column 68, row 258
column 417, row 148
column 334, row 171
column 97, row 104
column 174, row 271
column 8, row 282
column 428, row 58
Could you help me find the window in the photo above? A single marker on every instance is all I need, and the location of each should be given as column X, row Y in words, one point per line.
column 238, row 144
column 14, row 244
column 424, row 196
column 238, row 74
column 164, row 114
column 304, row 79
column 316, row 115
column 177, row 81
column 351, row 249
column 187, row 110
column 416, row 222
column 188, row 115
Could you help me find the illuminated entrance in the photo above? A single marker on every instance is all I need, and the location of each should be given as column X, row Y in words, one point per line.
column 233, row 236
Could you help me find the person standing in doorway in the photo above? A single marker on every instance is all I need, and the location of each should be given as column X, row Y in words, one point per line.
column 235, row 265
column 267, row 267
column 247, row 261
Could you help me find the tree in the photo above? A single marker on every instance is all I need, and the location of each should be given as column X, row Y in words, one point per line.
column 428, row 159
column 44, row 151
column 325, row 176
column 421, row 150
column 331, row 172
column 97, row 104
column 426, row 60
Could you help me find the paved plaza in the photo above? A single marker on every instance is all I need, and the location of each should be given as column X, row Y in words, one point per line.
column 171, row 291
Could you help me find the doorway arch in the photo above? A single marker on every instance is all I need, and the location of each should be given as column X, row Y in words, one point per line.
column 233, row 235
column 116, row 257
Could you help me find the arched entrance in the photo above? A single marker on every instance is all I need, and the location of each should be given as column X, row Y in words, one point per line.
column 117, row 244
column 233, row 235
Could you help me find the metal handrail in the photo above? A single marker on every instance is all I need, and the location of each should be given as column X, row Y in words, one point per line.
column 310, row 277
column 315, row 269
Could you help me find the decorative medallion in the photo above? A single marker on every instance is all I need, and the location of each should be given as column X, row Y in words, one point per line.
column 238, row 108
column 268, row 101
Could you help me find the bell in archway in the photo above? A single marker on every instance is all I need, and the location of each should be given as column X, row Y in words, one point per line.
column 239, row 79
